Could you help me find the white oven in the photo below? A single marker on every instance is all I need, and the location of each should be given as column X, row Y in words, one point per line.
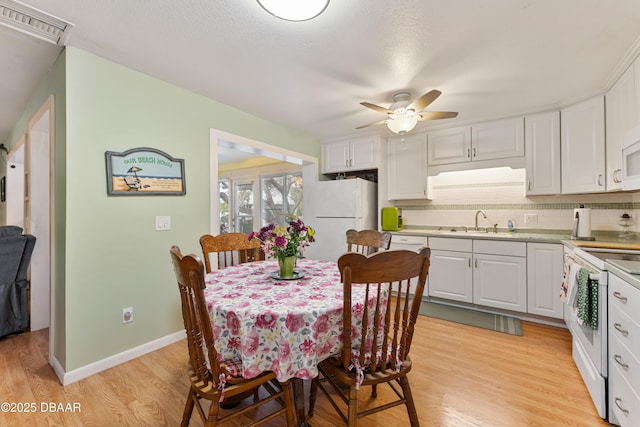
column 589, row 346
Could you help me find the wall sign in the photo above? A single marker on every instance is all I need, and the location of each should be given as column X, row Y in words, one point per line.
column 144, row 171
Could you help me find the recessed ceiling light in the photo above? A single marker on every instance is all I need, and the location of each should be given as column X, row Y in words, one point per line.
column 294, row 10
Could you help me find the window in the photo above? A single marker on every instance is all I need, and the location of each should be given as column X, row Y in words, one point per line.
column 225, row 202
column 281, row 195
column 243, row 196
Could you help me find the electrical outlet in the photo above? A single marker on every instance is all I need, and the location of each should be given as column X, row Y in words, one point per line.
column 127, row 315
column 530, row 218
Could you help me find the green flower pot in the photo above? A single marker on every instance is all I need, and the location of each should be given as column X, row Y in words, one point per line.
column 286, row 266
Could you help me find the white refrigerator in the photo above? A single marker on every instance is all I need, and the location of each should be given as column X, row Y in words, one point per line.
column 339, row 206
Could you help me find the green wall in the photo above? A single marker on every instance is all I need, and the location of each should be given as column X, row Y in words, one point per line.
column 107, row 254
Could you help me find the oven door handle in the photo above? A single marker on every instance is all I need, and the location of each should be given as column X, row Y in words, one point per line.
column 618, row 327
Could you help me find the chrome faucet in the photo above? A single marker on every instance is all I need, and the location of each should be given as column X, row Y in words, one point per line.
column 484, row 215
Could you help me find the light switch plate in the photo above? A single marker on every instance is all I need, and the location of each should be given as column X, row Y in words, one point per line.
column 163, row 223
column 530, row 218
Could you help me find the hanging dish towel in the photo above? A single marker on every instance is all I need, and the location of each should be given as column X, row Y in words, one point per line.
column 572, row 284
column 587, row 299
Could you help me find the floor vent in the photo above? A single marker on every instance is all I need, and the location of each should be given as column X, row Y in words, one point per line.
column 34, row 22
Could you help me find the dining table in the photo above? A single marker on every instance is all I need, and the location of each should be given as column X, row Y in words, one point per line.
column 283, row 326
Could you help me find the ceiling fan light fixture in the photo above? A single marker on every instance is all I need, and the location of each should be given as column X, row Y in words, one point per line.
column 402, row 121
column 294, row 10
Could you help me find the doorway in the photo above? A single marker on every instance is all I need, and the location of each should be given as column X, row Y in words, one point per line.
column 29, row 206
column 221, row 140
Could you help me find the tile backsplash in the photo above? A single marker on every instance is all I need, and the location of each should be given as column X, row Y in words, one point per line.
column 500, row 193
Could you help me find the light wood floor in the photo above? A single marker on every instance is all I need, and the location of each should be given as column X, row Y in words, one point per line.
column 463, row 376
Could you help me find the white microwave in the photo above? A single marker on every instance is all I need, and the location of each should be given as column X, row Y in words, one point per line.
column 631, row 160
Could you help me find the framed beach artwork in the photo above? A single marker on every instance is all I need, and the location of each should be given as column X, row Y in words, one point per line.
column 144, row 171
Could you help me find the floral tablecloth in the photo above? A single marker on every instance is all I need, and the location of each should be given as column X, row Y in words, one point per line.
column 284, row 326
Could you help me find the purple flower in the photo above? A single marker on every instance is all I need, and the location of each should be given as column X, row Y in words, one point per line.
column 281, row 242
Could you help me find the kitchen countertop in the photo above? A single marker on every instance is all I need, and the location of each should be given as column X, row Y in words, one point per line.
column 604, row 239
column 481, row 235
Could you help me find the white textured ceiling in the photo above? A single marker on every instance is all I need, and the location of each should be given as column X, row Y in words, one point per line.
column 490, row 58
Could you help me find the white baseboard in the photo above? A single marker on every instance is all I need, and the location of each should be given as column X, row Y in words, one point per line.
column 115, row 360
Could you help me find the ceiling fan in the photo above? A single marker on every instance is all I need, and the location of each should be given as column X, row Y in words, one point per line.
column 404, row 114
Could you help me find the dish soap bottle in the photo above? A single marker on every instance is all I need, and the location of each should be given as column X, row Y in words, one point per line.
column 510, row 226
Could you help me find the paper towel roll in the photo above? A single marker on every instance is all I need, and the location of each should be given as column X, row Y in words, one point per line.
column 584, row 222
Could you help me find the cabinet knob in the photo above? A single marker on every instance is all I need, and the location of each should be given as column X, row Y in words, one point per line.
column 600, row 180
column 474, row 152
column 468, row 152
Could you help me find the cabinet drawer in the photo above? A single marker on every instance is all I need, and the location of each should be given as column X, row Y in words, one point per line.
column 621, row 358
column 624, row 328
column 451, row 244
column 623, row 401
column 403, row 240
column 497, row 247
column 624, row 296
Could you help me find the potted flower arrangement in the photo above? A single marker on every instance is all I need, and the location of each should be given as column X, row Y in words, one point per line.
column 285, row 242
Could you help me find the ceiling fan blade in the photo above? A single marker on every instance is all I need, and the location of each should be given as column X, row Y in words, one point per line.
column 435, row 115
column 376, row 108
column 381, row 122
column 424, row 101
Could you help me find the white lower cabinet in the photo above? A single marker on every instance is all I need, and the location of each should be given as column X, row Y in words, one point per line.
column 500, row 274
column 516, row 276
column 450, row 273
column 544, row 274
column 624, row 348
column 412, row 243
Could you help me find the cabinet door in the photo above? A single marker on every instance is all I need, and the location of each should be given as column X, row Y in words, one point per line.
column 364, row 153
column 449, row 146
column 582, row 147
column 621, row 117
column 498, row 139
column 450, row 275
column 544, row 275
column 500, row 281
column 407, row 169
column 335, row 156
column 542, row 137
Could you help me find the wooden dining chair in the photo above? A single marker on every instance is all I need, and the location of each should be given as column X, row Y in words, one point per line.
column 377, row 350
column 211, row 379
column 230, row 249
column 367, row 242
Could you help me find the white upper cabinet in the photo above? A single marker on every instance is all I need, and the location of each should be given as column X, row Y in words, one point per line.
column 361, row 153
column 450, row 146
column 621, row 116
column 407, row 167
column 542, row 138
column 498, row 139
column 583, row 147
